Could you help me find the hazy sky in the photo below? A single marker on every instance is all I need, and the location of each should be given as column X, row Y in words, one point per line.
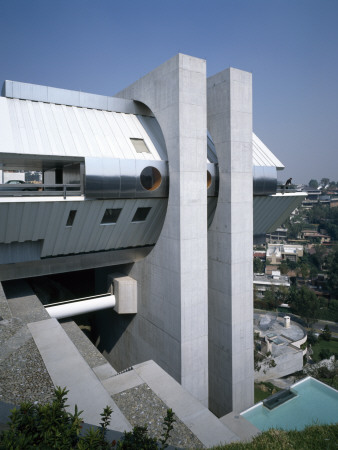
column 101, row 46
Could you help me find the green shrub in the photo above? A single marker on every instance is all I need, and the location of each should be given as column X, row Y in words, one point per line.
column 325, row 353
column 51, row 426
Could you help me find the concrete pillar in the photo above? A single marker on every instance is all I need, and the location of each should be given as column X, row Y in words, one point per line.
column 230, row 238
column 171, row 325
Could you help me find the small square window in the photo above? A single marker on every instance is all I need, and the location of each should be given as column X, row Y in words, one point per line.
column 141, row 214
column 111, row 216
column 139, row 145
column 71, row 218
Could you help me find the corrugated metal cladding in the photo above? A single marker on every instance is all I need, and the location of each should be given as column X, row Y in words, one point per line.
column 262, row 156
column 20, row 251
column 39, row 128
column 28, row 221
column 270, row 212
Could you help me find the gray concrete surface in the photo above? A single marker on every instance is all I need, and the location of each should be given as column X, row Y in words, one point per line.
column 230, row 239
column 125, row 291
column 68, row 369
column 288, row 357
column 208, row 429
column 242, row 427
column 142, row 406
column 171, row 324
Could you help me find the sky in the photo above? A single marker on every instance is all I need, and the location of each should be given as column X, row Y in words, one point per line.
column 102, row 46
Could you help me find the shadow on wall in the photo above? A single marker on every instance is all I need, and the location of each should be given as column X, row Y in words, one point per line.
column 107, row 329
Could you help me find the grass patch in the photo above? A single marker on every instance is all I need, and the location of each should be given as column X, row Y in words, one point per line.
column 264, row 390
column 331, row 345
column 311, row 438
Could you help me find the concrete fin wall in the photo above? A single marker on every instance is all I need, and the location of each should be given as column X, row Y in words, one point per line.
column 171, row 325
column 230, row 244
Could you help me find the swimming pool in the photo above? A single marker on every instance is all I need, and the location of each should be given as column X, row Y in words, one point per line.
column 315, row 403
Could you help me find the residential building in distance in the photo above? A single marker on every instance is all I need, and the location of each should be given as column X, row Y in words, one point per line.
column 264, row 282
column 277, row 236
column 276, row 253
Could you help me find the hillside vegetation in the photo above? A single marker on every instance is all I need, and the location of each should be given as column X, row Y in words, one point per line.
column 312, row 438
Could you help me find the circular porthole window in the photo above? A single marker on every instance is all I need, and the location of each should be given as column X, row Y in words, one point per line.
column 209, row 179
column 150, row 178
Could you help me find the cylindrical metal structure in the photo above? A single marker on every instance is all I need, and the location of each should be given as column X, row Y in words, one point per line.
column 80, row 306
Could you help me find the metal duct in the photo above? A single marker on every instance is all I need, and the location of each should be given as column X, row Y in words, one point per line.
column 80, row 306
column 121, row 178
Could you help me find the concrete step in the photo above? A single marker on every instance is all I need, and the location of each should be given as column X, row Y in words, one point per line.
column 104, row 371
column 67, row 368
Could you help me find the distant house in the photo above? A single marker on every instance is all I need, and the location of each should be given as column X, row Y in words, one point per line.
column 276, row 253
column 313, row 235
column 261, row 254
column 334, row 202
column 279, row 235
column 263, row 283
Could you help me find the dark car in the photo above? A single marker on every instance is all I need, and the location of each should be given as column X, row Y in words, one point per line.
column 18, row 185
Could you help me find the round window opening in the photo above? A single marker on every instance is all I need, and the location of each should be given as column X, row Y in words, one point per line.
column 150, row 178
column 209, row 179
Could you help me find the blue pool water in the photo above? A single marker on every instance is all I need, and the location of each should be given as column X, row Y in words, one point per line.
column 315, row 403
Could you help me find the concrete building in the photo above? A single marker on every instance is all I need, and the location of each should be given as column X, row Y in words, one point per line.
column 155, row 190
column 277, row 236
column 263, row 282
column 283, row 339
column 276, row 253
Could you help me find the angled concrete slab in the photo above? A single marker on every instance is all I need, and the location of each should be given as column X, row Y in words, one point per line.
column 104, row 371
column 205, row 425
column 67, row 368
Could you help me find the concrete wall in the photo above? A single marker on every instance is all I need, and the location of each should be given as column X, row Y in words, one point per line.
column 230, row 244
column 171, row 324
column 286, row 364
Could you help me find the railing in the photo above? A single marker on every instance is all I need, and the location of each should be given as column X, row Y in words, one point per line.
column 281, row 189
column 33, row 190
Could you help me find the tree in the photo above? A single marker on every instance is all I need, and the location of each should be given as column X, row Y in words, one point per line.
column 269, row 298
column 291, row 264
column 282, row 294
column 311, row 337
column 333, row 273
column 283, row 268
column 258, row 265
column 304, row 268
column 324, row 181
column 325, row 353
column 326, row 334
column 305, row 303
column 313, row 184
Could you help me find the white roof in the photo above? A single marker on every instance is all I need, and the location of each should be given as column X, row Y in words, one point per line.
column 262, row 156
column 39, row 128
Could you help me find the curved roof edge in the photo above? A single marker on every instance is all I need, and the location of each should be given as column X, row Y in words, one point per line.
column 47, row 94
column 262, row 156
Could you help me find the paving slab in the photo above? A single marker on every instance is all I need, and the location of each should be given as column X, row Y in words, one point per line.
column 23, row 302
column 242, row 427
column 67, row 368
column 104, row 371
column 14, row 342
column 122, row 382
column 205, row 425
